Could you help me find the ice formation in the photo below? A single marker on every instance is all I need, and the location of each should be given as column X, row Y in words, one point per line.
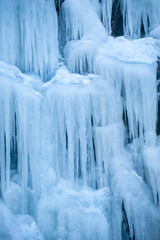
column 79, row 152
column 28, row 35
column 155, row 33
column 137, row 15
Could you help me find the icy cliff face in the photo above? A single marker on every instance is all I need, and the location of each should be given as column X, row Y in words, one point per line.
column 78, row 153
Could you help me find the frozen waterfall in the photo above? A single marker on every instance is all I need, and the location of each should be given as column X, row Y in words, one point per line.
column 79, row 143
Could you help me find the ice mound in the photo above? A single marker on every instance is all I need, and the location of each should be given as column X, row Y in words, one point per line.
column 155, row 33
column 67, row 210
column 133, row 51
column 13, row 227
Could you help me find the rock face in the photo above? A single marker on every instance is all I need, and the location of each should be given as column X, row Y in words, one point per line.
column 158, row 89
column 158, row 69
column 117, row 20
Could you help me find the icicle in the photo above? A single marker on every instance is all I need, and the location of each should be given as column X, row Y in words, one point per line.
column 28, row 33
column 138, row 13
column 138, row 82
column 76, row 18
column 152, row 171
column 87, row 35
column 139, row 17
column 107, row 14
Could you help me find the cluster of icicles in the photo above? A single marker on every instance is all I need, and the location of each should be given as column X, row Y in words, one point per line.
column 78, row 151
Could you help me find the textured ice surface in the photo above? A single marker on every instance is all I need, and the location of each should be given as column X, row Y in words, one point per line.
column 152, row 168
column 81, row 54
column 13, row 227
column 136, row 15
column 28, row 35
column 74, row 213
column 72, row 101
column 134, row 51
column 137, row 85
column 79, row 153
column 155, row 33
column 40, row 122
column 76, row 20
column 129, row 68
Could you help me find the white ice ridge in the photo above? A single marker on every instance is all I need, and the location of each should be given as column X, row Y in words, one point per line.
column 80, row 55
column 132, row 51
column 28, row 35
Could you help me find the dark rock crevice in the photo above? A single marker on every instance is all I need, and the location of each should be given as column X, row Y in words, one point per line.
column 158, row 90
